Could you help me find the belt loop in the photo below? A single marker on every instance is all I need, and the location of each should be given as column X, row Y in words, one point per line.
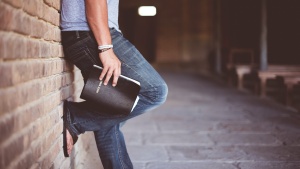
column 77, row 34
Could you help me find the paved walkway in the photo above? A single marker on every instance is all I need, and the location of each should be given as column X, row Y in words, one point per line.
column 205, row 125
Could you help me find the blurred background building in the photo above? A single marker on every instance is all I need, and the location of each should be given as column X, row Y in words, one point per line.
column 250, row 44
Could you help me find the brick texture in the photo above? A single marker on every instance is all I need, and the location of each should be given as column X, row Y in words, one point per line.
column 35, row 79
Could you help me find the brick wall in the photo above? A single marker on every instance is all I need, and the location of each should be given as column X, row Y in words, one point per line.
column 34, row 80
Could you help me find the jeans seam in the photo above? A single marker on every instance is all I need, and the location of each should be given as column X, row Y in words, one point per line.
column 136, row 73
column 70, row 124
column 89, row 54
column 83, row 122
column 118, row 148
column 89, row 50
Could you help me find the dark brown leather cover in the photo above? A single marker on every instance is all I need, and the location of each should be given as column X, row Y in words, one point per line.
column 117, row 100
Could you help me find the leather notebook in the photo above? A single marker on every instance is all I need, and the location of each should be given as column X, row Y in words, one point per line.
column 118, row 100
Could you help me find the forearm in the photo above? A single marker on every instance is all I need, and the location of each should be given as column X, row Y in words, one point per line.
column 97, row 17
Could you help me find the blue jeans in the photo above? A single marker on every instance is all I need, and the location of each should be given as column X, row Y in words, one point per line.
column 80, row 48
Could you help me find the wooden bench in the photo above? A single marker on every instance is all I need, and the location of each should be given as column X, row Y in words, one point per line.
column 276, row 70
column 240, row 68
column 289, row 81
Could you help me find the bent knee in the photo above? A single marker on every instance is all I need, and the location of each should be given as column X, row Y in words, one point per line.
column 156, row 95
column 162, row 93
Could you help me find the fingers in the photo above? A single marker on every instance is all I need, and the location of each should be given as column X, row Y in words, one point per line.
column 104, row 71
column 108, row 76
column 117, row 73
column 111, row 67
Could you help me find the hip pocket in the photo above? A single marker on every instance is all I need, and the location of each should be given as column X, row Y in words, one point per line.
column 81, row 58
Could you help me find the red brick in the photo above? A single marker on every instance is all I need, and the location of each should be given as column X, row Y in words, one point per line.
column 50, row 138
column 30, row 92
column 20, row 22
column 15, row 3
column 2, row 162
column 10, row 102
column 55, row 17
column 32, row 68
column 38, row 28
column 45, row 49
column 28, row 117
column 36, row 148
column 24, row 93
column 2, row 44
column 48, row 2
column 23, row 156
column 36, row 131
column 52, row 101
column 61, row 64
column 6, row 74
column 6, row 16
column 33, row 48
column 46, row 13
column 46, row 68
column 24, row 27
column 53, row 3
column 51, row 33
column 49, row 85
column 19, row 48
column 55, row 116
column 30, row 6
column 56, row 66
column 57, row 34
column 51, row 15
column 38, row 153
column 25, row 161
column 7, row 125
column 20, row 120
column 57, row 50
column 22, row 71
column 61, row 53
column 56, row 4
column 17, row 19
column 12, row 153
column 34, row 92
column 38, row 68
column 15, row 46
column 53, row 152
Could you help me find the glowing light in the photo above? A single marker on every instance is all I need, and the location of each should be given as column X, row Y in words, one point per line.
column 147, row 11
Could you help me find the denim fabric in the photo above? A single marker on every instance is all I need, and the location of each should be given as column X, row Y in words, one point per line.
column 81, row 49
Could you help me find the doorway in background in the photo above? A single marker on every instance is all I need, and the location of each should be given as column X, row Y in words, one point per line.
column 139, row 30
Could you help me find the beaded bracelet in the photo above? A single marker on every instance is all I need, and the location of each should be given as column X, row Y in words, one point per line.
column 103, row 50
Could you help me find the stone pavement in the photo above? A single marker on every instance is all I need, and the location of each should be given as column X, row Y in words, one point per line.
column 206, row 125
